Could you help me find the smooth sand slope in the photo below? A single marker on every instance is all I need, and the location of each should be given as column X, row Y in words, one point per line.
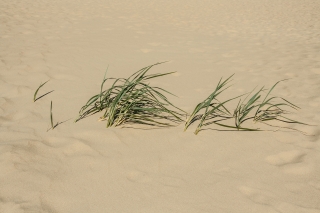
column 85, row 167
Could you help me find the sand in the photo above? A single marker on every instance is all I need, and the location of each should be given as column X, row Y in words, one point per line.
column 84, row 167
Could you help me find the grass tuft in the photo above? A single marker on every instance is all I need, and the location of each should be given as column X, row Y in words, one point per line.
column 269, row 109
column 214, row 110
column 133, row 100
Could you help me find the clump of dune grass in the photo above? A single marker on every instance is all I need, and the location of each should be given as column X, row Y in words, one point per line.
column 133, row 101
column 272, row 109
column 214, row 110
column 36, row 92
column 269, row 109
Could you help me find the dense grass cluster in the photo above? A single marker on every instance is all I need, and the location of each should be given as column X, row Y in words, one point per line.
column 133, row 100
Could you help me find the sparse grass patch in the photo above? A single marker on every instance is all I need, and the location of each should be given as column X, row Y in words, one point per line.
column 269, row 109
column 133, row 100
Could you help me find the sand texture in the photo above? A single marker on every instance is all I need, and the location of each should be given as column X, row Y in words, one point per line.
column 85, row 167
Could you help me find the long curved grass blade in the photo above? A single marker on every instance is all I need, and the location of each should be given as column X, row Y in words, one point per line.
column 231, row 127
column 104, row 80
column 36, row 92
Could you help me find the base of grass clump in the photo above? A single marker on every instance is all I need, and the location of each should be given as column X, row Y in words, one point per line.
column 133, row 101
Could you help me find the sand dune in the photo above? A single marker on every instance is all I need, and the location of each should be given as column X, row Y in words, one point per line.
column 85, row 167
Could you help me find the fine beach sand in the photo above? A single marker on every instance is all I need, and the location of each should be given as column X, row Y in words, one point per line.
column 86, row 168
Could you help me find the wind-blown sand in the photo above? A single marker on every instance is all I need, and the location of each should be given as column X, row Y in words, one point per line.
column 85, row 167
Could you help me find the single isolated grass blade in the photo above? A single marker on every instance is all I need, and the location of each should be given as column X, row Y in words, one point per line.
column 51, row 116
column 53, row 126
column 104, row 80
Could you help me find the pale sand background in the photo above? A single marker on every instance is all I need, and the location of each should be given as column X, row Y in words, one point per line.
column 85, row 167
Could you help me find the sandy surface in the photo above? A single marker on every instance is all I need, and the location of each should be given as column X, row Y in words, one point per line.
column 85, row 167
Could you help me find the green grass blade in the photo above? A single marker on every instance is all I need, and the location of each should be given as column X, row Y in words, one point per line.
column 36, row 92
column 51, row 116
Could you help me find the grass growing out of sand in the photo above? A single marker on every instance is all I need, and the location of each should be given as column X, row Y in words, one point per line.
column 51, row 119
column 269, row 109
column 133, row 100
column 214, row 110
